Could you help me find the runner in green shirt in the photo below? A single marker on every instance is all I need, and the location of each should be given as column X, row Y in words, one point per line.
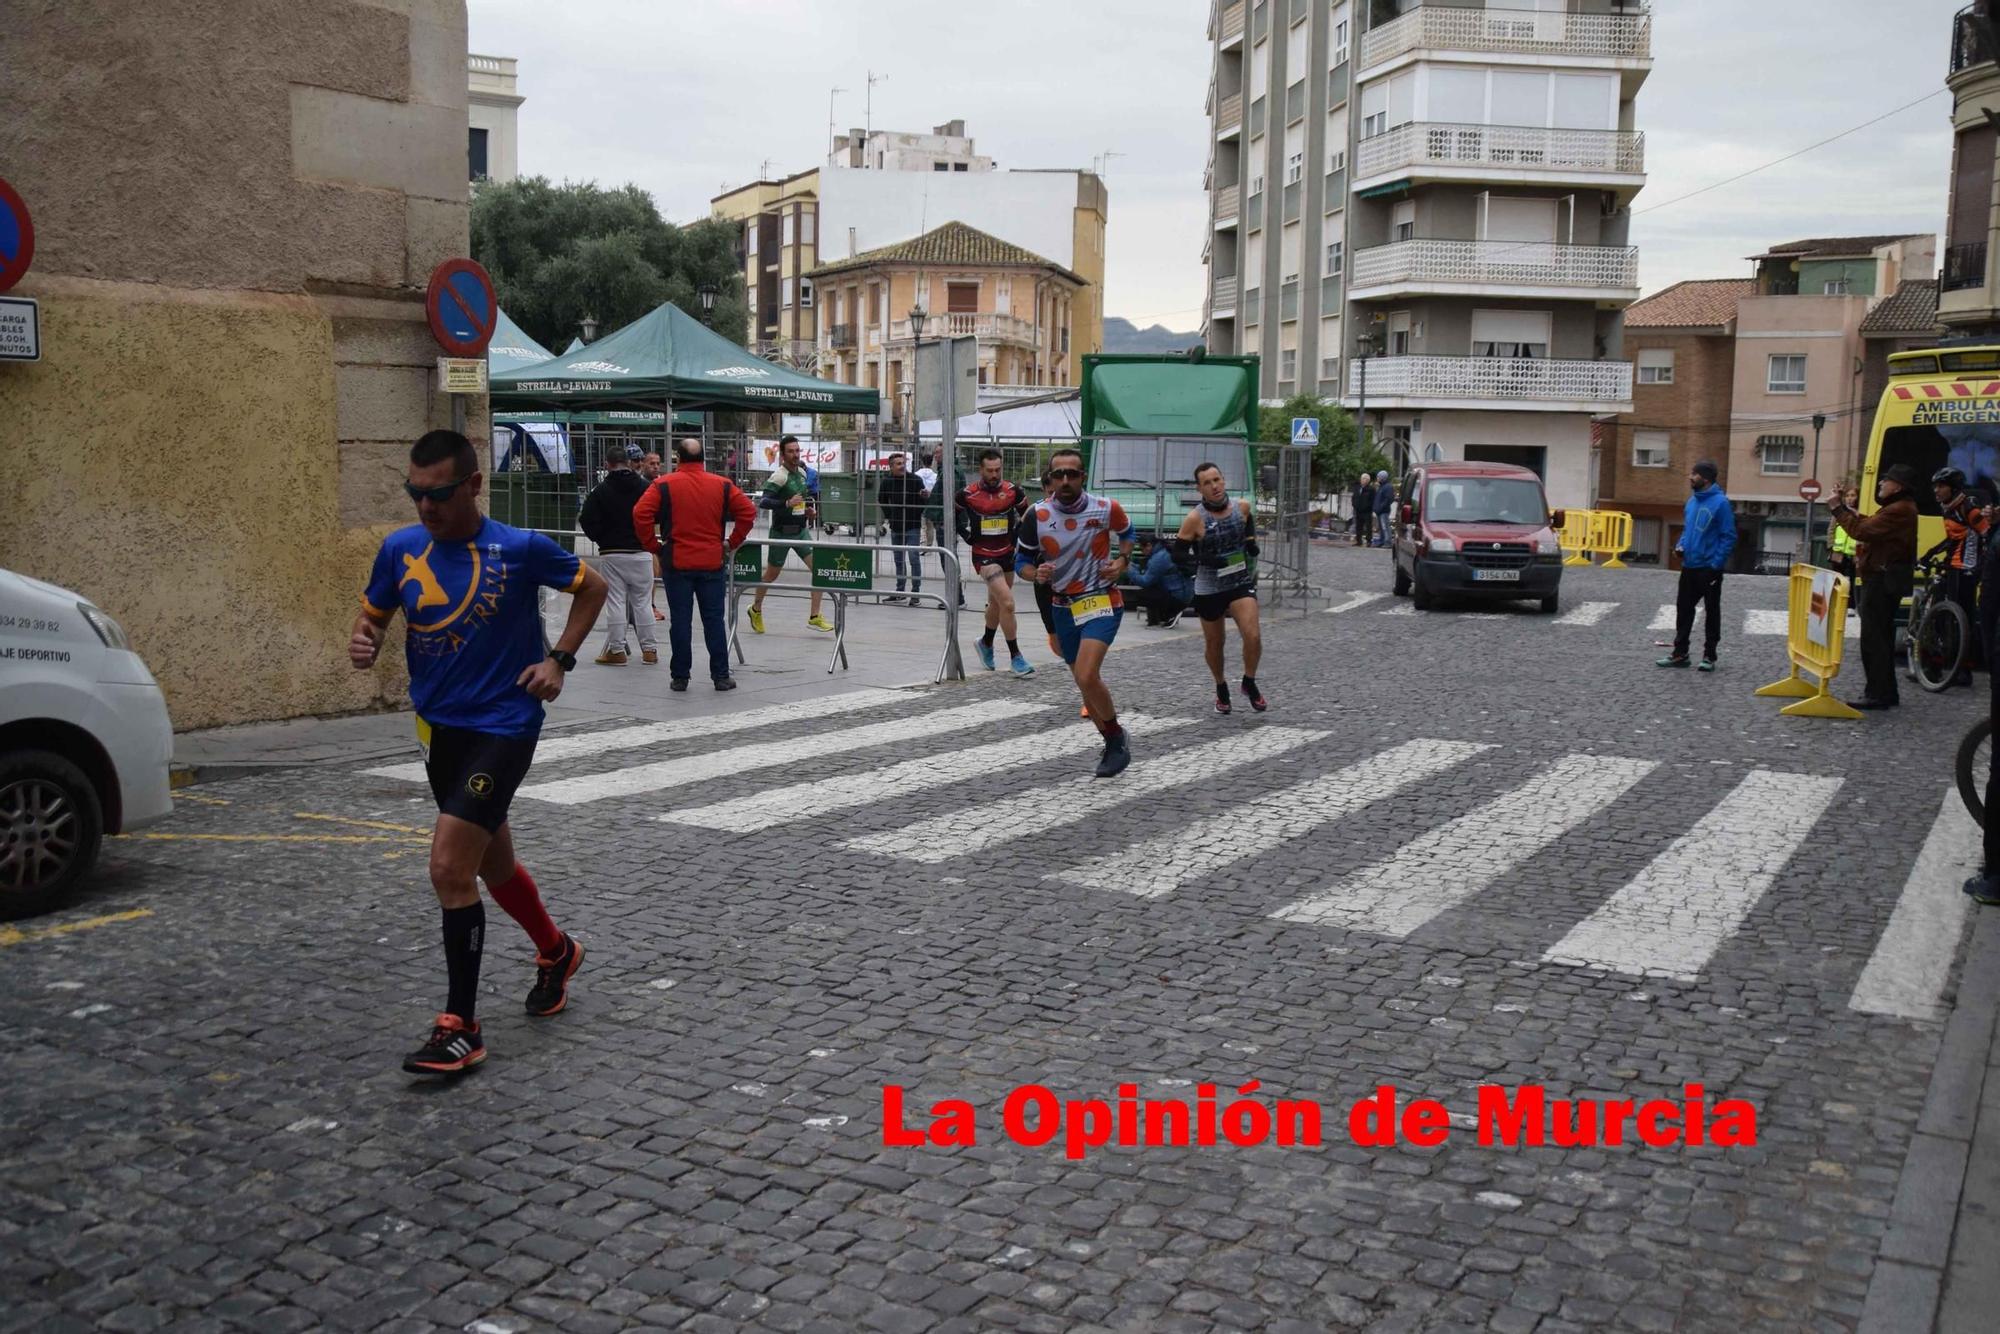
column 792, row 496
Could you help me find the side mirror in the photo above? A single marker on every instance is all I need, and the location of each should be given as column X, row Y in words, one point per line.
column 1556, row 519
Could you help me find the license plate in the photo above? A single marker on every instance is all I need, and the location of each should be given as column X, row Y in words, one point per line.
column 1503, row 575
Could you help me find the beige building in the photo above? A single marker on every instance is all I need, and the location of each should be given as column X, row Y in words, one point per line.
column 235, row 359
column 1021, row 307
column 1969, row 285
column 492, row 114
column 780, row 246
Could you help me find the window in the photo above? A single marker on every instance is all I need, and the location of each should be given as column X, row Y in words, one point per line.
column 1373, row 123
column 1336, row 161
column 805, row 293
column 1333, row 259
column 940, row 166
column 1256, row 185
column 1511, row 333
column 1650, row 449
column 1834, row 287
column 1787, row 375
column 1295, row 167
column 475, row 154
column 785, row 299
column 1398, row 342
column 807, row 230
column 961, row 298
column 750, row 230
column 788, row 225
column 1339, row 42
column 1288, row 363
column 1783, row 454
column 1403, row 221
column 958, row 166
column 1656, row 365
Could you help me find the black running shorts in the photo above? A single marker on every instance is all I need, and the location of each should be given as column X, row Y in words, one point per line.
column 1214, row 606
column 474, row 774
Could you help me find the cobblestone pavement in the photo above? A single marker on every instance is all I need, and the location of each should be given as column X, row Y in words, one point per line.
column 1460, row 849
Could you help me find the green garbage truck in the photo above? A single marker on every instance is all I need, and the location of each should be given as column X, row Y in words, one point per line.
column 1149, row 420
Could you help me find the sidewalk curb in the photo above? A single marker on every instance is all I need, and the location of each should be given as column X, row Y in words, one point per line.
column 1906, row 1291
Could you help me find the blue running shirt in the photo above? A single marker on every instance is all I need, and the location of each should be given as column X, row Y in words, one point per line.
column 473, row 618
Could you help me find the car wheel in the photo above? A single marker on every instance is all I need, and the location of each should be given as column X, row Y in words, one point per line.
column 1550, row 603
column 51, row 825
column 1402, row 585
column 1420, row 594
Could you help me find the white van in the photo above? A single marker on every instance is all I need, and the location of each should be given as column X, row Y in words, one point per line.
column 85, row 742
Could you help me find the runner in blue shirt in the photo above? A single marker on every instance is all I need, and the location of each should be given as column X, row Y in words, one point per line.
column 480, row 671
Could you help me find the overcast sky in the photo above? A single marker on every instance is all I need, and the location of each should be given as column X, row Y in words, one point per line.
column 689, row 97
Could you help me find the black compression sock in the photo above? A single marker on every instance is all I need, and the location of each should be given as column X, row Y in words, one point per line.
column 987, row 638
column 464, row 932
column 1222, row 691
column 1013, row 648
column 1250, row 685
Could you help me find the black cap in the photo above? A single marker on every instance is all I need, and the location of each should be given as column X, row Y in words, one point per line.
column 1706, row 468
column 1903, row 475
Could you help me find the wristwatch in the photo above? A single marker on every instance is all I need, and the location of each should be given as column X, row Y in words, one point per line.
column 566, row 661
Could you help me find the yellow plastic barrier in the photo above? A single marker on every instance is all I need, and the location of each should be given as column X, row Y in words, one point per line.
column 1815, row 635
column 1575, row 536
column 1611, row 535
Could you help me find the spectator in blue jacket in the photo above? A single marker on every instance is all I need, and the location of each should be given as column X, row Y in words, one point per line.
column 1708, row 535
column 1164, row 588
column 1385, row 504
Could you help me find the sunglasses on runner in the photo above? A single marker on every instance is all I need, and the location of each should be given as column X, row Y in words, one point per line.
column 1056, row 474
column 437, row 495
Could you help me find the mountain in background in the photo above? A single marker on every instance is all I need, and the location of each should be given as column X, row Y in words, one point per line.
column 1121, row 335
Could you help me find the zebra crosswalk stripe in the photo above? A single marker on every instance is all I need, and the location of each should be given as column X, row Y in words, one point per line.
column 691, row 769
column 554, row 750
column 1586, row 613
column 1764, row 621
column 1357, row 598
column 978, row 827
column 1400, row 609
column 1452, row 863
column 1663, row 619
column 1670, row 919
column 804, row 801
column 1158, row 866
column 1906, row 974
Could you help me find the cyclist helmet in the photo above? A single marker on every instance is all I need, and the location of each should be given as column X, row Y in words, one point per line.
column 1950, row 477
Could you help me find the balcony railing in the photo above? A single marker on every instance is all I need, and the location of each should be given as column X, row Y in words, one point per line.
column 1530, row 380
column 1969, row 45
column 840, row 335
column 1230, row 117
column 1515, row 31
column 1227, row 205
column 1496, row 263
column 993, row 328
column 1232, row 21
column 1225, row 294
column 1964, row 266
column 1508, row 147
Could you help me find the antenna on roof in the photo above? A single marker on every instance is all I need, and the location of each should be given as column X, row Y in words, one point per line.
column 1102, row 161
column 868, row 120
column 829, row 118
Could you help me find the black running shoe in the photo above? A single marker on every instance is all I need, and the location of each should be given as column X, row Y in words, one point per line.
column 454, row 1047
column 1117, row 754
column 1221, row 698
column 552, row 977
column 1254, row 695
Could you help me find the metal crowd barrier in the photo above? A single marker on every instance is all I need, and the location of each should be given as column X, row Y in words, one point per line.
column 1815, row 638
column 1586, row 533
column 951, row 667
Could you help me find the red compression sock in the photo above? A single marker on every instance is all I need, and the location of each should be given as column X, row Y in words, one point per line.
column 520, row 900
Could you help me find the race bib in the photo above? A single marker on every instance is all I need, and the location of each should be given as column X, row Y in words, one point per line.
column 424, row 738
column 1095, row 607
column 993, row 525
column 1235, row 565
column 797, row 504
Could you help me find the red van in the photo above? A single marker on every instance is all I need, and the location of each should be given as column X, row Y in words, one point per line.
column 1476, row 530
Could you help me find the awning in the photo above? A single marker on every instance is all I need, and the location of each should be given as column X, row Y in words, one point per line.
column 512, row 349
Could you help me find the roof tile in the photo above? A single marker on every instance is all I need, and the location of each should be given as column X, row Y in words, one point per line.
column 1698, row 303
column 952, row 243
column 1910, row 309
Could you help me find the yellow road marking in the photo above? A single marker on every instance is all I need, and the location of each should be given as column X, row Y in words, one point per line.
column 10, row 935
column 362, row 824
column 273, row 838
column 206, row 801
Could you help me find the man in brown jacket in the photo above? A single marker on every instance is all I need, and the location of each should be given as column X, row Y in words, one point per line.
column 1886, row 560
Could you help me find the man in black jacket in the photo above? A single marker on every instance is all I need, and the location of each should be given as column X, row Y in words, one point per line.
column 624, row 563
column 1364, row 510
column 901, row 495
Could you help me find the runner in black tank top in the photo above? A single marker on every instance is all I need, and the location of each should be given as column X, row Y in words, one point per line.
column 1220, row 536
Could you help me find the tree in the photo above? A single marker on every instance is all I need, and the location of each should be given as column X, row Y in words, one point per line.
column 560, row 252
column 1338, row 458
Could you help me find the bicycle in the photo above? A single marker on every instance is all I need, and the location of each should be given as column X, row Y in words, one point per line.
column 1940, row 636
column 1972, row 765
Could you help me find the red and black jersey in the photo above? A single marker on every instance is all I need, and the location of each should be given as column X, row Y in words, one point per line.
column 987, row 517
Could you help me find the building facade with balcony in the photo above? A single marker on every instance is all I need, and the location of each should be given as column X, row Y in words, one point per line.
column 1969, row 284
column 779, row 249
column 492, row 112
column 1495, row 160
column 1020, row 306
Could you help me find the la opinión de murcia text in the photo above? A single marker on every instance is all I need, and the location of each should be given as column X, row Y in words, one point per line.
column 1524, row 1117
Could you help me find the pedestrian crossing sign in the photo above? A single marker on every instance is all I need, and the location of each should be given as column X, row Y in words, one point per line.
column 1305, row 430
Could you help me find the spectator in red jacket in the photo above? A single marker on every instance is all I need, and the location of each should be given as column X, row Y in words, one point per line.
column 683, row 517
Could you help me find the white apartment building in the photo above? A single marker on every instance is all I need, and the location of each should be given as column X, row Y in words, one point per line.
column 947, row 148
column 492, row 109
column 1451, row 183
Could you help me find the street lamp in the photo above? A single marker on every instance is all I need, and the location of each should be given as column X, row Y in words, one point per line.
column 589, row 327
column 917, row 318
column 706, row 294
column 1819, row 422
column 1364, row 347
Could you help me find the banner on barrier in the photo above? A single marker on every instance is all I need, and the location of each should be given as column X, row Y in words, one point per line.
column 823, row 455
column 748, row 561
column 848, row 568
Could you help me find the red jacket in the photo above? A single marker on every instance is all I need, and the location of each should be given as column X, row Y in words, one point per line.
column 688, row 508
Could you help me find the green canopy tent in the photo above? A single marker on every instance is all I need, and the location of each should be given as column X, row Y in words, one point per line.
column 574, row 344
column 669, row 358
column 511, row 349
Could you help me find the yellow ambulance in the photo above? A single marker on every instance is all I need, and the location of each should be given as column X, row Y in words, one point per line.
column 1941, row 408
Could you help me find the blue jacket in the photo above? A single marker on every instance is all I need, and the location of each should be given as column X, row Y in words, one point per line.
column 1708, row 532
column 1161, row 571
column 1385, row 497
